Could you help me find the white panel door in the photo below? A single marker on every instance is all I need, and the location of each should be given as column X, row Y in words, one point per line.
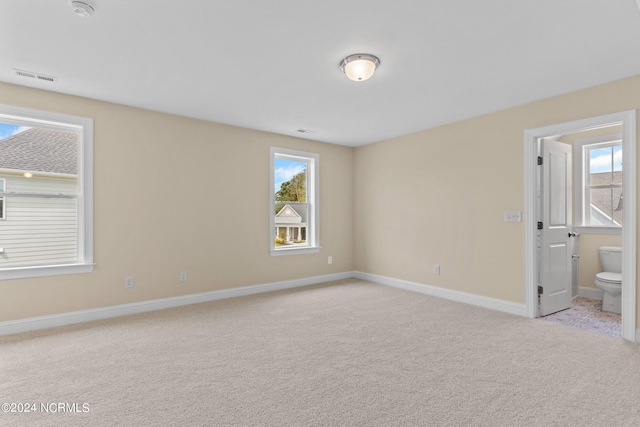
column 554, row 237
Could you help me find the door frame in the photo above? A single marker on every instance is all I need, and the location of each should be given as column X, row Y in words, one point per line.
column 531, row 136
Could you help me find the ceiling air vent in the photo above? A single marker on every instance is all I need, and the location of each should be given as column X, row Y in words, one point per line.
column 36, row 76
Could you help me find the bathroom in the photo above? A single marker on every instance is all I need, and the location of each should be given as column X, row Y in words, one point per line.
column 599, row 152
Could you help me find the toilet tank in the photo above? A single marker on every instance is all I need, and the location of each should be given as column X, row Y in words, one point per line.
column 611, row 258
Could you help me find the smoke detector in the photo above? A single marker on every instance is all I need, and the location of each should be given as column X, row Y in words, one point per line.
column 83, row 8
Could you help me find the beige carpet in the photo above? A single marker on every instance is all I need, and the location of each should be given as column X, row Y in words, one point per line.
column 348, row 353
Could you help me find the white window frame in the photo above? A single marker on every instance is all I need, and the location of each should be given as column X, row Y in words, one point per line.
column 580, row 179
column 313, row 220
column 84, row 128
column 3, row 211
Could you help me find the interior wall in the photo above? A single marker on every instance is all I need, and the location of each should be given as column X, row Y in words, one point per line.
column 439, row 196
column 175, row 194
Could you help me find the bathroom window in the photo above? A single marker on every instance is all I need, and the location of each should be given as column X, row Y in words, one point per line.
column 598, row 184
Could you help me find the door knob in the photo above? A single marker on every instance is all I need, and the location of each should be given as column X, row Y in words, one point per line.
column 575, row 257
column 572, row 234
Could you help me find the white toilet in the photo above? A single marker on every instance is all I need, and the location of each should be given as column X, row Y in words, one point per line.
column 610, row 280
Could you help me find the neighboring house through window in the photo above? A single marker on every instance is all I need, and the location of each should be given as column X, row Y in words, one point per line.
column 294, row 205
column 46, row 176
column 598, row 175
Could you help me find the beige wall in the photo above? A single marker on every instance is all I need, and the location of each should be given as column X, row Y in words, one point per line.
column 175, row 194
column 452, row 185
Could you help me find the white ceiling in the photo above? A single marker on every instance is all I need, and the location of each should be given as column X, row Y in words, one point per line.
column 273, row 65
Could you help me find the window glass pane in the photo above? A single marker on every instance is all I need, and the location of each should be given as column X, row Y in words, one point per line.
column 38, row 231
column 291, row 224
column 600, row 166
column 39, row 152
column 290, row 201
column 294, row 208
column 602, row 178
column 40, row 167
column 617, row 165
column 617, row 205
column 290, row 180
column 617, row 158
column 601, row 207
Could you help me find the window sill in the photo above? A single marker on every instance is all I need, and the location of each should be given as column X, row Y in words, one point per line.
column 44, row 271
column 295, row 251
column 597, row 230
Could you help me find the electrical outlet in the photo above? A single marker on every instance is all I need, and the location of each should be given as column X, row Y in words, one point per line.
column 183, row 276
column 330, row 260
column 128, row 282
column 436, row 270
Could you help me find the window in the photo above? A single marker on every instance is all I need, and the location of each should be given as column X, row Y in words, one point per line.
column 294, row 204
column 598, row 172
column 46, row 191
column 2, row 206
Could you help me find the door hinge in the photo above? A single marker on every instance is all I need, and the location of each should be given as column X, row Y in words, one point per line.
column 539, row 225
column 540, row 290
column 539, row 160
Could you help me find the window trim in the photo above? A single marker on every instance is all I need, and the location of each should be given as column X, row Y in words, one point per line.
column 313, row 186
column 84, row 127
column 3, row 209
column 580, row 171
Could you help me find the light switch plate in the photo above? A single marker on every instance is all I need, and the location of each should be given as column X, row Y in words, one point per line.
column 513, row 216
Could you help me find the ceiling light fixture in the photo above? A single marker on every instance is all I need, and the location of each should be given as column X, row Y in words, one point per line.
column 359, row 67
column 83, row 8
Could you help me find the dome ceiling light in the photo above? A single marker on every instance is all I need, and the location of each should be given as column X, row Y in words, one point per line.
column 359, row 67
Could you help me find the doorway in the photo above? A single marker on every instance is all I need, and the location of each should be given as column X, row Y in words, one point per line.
column 532, row 255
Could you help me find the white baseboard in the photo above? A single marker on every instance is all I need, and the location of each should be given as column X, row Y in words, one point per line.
column 486, row 302
column 592, row 293
column 44, row 322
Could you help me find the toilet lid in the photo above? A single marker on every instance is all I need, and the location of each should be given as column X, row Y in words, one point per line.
column 607, row 276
